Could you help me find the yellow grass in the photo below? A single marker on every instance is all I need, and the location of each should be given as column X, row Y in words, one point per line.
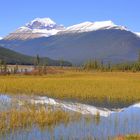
column 110, row 87
column 128, row 137
column 15, row 119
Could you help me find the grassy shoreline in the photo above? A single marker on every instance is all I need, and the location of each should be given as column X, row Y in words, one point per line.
column 32, row 116
column 102, row 88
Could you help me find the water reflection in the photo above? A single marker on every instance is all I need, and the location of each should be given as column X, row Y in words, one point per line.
column 5, row 102
column 99, row 123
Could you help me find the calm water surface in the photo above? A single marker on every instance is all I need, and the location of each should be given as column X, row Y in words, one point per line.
column 111, row 123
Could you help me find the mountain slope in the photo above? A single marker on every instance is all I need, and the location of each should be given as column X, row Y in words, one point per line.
column 108, row 45
column 78, row 43
column 12, row 57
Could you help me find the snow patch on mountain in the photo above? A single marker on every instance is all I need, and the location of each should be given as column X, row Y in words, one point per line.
column 1, row 38
column 41, row 32
column 137, row 33
column 93, row 26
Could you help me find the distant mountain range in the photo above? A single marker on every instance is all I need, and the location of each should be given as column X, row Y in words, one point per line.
column 103, row 40
column 45, row 27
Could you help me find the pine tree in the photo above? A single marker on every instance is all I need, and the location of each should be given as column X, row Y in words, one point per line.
column 109, row 66
column 16, row 69
column 102, row 65
column 61, row 62
column 37, row 60
column 0, row 65
column 4, row 67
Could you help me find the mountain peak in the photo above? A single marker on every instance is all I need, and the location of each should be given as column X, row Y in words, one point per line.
column 41, row 23
column 45, row 20
column 39, row 27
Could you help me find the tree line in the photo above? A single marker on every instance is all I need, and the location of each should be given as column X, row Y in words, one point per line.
column 107, row 66
column 99, row 65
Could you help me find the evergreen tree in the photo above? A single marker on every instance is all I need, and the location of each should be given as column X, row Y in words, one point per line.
column 37, row 60
column 109, row 66
column 102, row 65
column 4, row 67
column 61, row 62
column 16, row 69
column 0, row 65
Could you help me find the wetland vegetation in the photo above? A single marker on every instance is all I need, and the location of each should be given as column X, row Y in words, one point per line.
column 116, row 89
column 30, row 116
column 111, row 89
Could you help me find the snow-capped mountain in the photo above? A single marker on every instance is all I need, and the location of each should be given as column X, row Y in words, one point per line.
column 93, row 26
column 41, row 23
column 79, row 43
column 0, row 38
column 37, row 28
column 45, row 27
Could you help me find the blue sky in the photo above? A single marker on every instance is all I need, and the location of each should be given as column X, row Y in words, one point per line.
column 15, row 13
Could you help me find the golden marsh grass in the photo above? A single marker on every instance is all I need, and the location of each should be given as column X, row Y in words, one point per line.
column 15, row 119
column 100, row 87
column 128, row 137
